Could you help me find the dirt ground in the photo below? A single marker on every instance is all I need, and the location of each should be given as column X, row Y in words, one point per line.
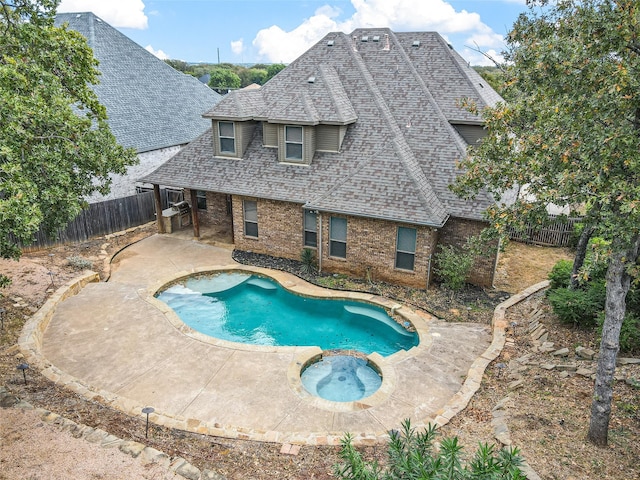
column 547, row 415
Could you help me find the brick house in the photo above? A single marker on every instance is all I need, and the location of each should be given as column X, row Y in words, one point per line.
column 348, row 151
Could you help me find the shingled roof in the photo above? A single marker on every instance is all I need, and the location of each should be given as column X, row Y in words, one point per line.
column 150, row 104
column 397, row 92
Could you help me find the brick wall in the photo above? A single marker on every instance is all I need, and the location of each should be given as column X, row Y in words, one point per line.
column 455, row 232
column 371, row 244
column 279, row 228
column 216, row 212
column 371, row 252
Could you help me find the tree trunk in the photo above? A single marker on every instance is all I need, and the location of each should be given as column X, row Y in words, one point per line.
column 618, row 283
column 581, row 253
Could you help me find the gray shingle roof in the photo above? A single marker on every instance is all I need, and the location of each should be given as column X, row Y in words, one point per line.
column 150, row 105
column 399, row 153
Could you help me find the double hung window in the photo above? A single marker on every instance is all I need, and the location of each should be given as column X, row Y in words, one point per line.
column 406, row 248
column 293, row 143
column 310, row 229
column 338, row 237
column 227, row 135
column 250, row 209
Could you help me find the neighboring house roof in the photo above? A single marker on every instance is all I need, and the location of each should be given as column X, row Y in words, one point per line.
column 150, row 105
column 397, row 92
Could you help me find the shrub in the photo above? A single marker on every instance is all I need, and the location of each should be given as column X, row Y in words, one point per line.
column 80, row 263
column 579, row 307
column 629, row 333
column 308, row 259
column 452, row 265
column 412, row 454
column 560, row 275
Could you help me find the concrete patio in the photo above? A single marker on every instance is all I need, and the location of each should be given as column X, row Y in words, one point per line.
column 115, row 343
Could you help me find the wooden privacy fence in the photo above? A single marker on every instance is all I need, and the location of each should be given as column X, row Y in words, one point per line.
column 558, row 233
column 103, row 218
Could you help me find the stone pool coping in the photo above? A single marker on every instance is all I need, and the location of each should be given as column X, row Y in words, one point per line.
column 31, row 345
column 301, row 287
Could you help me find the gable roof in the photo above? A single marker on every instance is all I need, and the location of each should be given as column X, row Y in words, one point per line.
column 397, row 95
column 150, row 105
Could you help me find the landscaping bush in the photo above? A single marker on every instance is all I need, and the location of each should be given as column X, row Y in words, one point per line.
column 308, row 261
column 560, row 275
column 629, row 333
column 412, row 454
column 452, row 266
column 579, row 307
column 80, row 263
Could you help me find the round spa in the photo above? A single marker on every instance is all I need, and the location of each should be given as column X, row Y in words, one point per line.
column 340, row 378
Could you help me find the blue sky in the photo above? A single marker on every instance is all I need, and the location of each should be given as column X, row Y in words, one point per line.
column 268, row 31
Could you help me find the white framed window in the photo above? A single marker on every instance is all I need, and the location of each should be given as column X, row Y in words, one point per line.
column 338, row 237
column 293, row 143
column 310, row 228
column 250, row 210
column 227, row 133
column 406, row 248
column 201, row 197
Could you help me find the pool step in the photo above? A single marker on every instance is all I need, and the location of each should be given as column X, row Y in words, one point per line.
column 379, row 316
column 262, row 283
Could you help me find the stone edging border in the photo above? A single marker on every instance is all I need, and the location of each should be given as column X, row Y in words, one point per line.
column 30, row 343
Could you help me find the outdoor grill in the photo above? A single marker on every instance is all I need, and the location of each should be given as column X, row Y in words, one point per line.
column 176, row 216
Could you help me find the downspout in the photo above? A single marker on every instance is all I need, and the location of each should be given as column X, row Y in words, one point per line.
column 319, row 242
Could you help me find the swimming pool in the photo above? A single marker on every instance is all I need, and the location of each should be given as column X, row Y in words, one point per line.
column 252, row 309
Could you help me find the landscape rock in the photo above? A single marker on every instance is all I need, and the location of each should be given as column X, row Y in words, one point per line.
column 585, row 353
column 188, row 471
column 585, row 372
column 628, row 361
column 563, row 352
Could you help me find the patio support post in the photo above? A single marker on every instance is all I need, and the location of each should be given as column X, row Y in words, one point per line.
column 195, row 220
column 156, row 196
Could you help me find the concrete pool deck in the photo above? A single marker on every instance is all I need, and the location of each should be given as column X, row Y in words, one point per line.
column 114, row 343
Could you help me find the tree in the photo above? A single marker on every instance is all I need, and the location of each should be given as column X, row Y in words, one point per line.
column 224, row 78
column 412, row 454
column 273, row 70
column 55, row 145
column 571, row 134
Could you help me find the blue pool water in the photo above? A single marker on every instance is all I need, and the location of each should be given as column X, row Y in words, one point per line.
column 341, row 378
column 256, row 310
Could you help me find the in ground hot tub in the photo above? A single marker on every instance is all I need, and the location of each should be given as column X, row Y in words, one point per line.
column 340, row 378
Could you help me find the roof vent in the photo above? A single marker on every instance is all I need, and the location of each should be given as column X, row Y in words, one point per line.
column 416, row 43
column 311, row 79
column 329, row 43
column 376, row 38
column 355, row 43
column 387, row 46
column 365, row 38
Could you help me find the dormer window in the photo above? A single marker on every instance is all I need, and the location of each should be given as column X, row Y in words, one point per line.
column 227, row 137
column 293, row 143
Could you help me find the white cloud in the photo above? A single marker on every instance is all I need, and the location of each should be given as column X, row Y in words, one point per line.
column 117, row 13
column 158, row 53
column 237, row 47
column 277, row 45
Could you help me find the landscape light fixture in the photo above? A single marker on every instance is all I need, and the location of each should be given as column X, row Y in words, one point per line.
column 147, row 410
column 51, row 274
column 513, row 327
column 24, row 367
column 500, row 366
